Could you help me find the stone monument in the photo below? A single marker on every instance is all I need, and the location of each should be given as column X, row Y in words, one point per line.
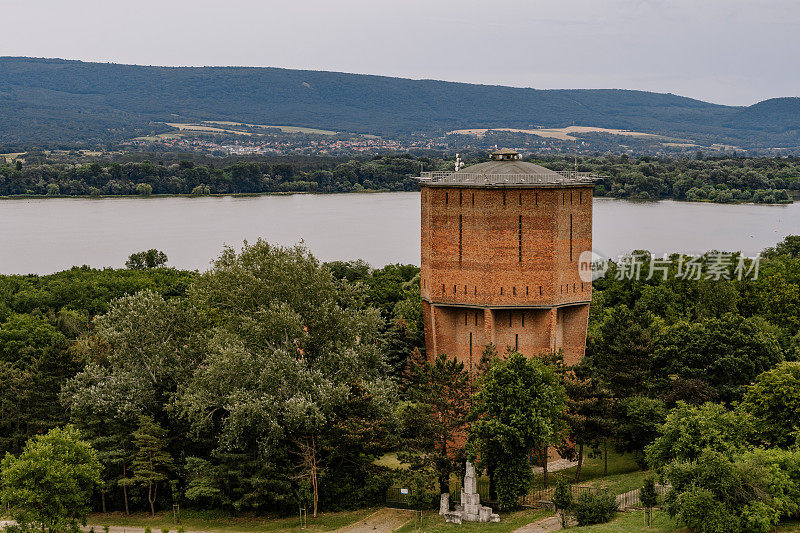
column 444, row 503
column 470, row 508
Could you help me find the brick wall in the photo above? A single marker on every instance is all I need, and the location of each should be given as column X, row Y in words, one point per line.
column 502, row 253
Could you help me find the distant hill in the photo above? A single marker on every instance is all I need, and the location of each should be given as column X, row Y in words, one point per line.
column 54, row 101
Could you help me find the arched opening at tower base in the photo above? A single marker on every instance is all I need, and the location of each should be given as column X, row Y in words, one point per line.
column 464, row 332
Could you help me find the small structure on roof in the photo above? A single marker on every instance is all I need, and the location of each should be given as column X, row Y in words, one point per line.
column 504, row 154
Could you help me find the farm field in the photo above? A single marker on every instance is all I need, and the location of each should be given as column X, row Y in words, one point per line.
column 214, row 127
column 285, row 129
column 563, row 134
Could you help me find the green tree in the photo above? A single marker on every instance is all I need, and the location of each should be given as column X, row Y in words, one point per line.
column 620, row 352
column 435, row 419
column 34, row 362
column 49, row 485
column 774, row 402
column 106, row 407
column 419, row 481
column 518, row 408
column 649, row 499
column 152, row 463
column 589, row 415
column 278, row 384
column 689, row 430
column 727, row 353
column 143, row 260
column 638, row 421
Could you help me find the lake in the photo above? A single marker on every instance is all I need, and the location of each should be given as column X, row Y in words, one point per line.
column 46, row 235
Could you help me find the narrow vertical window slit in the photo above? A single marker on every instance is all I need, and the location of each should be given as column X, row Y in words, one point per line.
column 460, row 237
column 570, row 237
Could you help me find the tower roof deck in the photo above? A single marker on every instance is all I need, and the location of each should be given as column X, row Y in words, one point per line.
column 504, row 170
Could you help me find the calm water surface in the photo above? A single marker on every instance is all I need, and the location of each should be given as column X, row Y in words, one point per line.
column 47, row 235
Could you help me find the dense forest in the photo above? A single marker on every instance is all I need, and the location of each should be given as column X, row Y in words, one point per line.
column 52, row 102
column 716, row 179
column 256, row 395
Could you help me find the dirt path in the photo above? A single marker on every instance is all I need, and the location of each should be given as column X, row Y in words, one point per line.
column 381, row 521
column 132, row 529
column 555, row 466
column 545, row 525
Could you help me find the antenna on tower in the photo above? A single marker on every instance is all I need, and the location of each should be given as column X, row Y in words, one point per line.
column 459, row 163
column 576, row 148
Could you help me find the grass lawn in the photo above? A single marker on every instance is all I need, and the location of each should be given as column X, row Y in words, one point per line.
column 389, row 460
column 623, row 473
column 789, row 526
column 633, row 522
column 432, row 523
column 217, row 521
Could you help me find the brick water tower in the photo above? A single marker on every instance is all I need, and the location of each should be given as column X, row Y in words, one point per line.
column 501, row 242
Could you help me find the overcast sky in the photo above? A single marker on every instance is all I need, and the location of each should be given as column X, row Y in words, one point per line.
column 725, row 51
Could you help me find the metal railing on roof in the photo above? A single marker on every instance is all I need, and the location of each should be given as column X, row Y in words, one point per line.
column 562, row 176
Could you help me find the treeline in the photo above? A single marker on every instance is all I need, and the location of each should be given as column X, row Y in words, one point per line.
column 712, row 179
column 273, row 380
column 186, row 177
column 723, row 180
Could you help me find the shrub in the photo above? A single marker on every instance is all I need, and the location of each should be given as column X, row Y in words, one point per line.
column 747, row 494
column 106, row 528
column 512, row 481
column 562, row 500
column 591, row 508
column 164, row 530
column 421, row 497
column 147, row 529
column 201, row 190
column 699, row 510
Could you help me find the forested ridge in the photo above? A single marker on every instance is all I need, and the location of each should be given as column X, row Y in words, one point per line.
column 716, row 179
column 53, row 102
column 273, row 380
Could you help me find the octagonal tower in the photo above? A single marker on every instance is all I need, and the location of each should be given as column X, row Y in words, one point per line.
column 500, row 248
